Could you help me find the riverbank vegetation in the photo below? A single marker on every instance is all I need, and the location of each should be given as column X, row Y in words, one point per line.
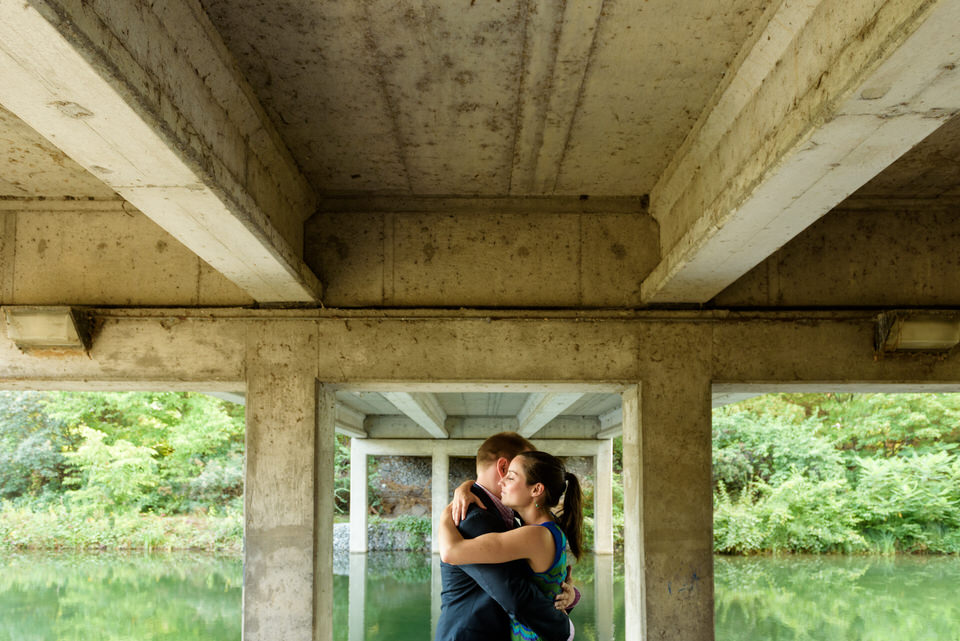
column 848, row 473
column 120, row 471
column 806, row 473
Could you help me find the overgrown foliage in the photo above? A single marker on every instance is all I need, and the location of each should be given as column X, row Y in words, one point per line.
column 838, row 473
column 93, row 467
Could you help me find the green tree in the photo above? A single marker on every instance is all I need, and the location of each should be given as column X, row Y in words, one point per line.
column 196, row 441
column 32, row 444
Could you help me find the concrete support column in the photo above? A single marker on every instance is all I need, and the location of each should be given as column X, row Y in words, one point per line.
column 676, row 499
column 634, row 589
column 283, row 596
column 438, row 493
column 603, row 499
column 324, row 502
column 358, row 496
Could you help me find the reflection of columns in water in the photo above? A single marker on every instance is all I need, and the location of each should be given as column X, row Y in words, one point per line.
column 436, row 585
column 358, row 595
column 603, row 594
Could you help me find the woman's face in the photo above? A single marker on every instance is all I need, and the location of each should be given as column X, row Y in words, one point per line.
column 514, row 491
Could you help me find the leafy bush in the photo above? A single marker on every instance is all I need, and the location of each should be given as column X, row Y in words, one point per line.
column 747, row 447
column 798, row 514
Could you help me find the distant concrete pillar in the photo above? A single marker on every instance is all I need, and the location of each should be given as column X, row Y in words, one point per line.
column 673, row 432
column 603, row 499
column 358, row 496
column 285, row 586
column 439, row 493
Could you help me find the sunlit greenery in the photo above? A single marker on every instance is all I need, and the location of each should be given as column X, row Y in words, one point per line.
column 838, row 473
column 120, row 470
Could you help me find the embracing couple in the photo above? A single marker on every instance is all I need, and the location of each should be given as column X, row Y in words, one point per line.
column 504, row 549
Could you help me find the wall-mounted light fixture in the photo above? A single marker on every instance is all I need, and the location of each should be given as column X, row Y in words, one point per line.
column 42, row 330
column 909, row 331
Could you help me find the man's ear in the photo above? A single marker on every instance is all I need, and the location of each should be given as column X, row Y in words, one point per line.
column 503, row 464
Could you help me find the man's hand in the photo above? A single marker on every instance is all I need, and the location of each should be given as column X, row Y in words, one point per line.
column 566, row 598
column 462, row 498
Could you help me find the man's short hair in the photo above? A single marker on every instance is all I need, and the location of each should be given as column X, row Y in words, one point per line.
column 503, row 445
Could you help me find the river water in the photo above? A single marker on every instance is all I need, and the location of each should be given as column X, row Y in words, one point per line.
column 95, row 597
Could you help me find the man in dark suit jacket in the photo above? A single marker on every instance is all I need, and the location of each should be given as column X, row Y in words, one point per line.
column 478, row 600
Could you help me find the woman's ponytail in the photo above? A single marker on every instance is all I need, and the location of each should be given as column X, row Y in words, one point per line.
column 541, row 467
column 571, row 518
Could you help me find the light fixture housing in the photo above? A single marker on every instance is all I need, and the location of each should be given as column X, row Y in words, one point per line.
column 917, row 331
column 48, row 330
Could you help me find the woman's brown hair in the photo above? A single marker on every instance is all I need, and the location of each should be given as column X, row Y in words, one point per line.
column 540, row 467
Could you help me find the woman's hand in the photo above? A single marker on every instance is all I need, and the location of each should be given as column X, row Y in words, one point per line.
column 462, row 498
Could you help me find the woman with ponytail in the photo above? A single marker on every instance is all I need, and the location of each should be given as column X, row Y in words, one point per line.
column 534, row 485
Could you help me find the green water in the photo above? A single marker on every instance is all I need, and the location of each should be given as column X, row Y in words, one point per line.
column 183, row 597
column 68, row 597
column 838, row 598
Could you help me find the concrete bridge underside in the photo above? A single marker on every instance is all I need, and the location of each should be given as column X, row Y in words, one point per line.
column 665, row 366
column 670, row 202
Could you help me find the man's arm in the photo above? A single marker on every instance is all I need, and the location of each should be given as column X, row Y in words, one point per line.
column 510, row 586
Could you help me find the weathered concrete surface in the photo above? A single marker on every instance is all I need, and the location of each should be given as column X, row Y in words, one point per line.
column 484, row 98
column 176, row 350
column 677, row 493
column 78, row 252
column 33, row 167
column 825, row 99
column 869, row 255
column 280, row 538
column 324, row 470
column 925, row 172
column 146, row 97
column 634, row 585
column 673, row 358
column 494, row 253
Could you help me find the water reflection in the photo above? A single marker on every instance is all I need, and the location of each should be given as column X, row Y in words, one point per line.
column 113, row 597
column 825, row 598
column 397, row 596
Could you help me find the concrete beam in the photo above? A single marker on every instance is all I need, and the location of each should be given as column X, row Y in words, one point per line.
column 422, row 407
column 349, row 421
column 164, row 118
column 611, row 424
column 828, row 95
column 480, row 427
column 541, row 408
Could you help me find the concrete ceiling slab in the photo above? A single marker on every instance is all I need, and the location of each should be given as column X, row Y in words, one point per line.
column 35, row 168
column 483, row 98
column 929, row 170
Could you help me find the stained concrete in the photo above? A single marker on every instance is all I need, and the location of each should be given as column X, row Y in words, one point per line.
column 34, row 167
column 280, row 520
column 875, row 256
column 105, row 251
column 388, row 96
column 520, row 257
column 664, row 363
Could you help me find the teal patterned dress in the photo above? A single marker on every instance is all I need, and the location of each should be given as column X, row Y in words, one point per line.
column 548, row 582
